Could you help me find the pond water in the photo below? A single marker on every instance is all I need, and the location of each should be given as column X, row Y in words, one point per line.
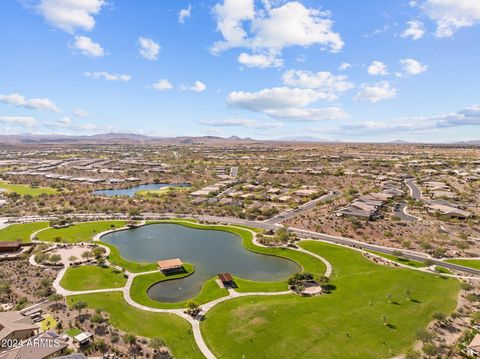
column 130, row 192
column 210, row 251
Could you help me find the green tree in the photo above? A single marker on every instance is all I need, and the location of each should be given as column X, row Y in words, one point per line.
column 79, row 306
column 156, row 343
column 192, row 308
column 130, row 339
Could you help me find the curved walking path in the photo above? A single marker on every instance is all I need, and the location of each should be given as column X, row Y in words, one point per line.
column 194, row 322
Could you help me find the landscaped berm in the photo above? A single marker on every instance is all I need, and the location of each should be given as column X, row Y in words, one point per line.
column 79, row 232
column 373, row 312
column 369, row 310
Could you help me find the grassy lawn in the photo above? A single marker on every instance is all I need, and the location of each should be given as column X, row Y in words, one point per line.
column 175, row 331
column 348, row 323
column 160, row 191
column 245, row 285
column 27, row 190
column 21, row 231
column 80, row 232
column 471, row 263
column 133, row 267
column 210, row 290
column 49, row 323
column 92, row 277
column 73, row 332
column 401, row 260
column 442, row 270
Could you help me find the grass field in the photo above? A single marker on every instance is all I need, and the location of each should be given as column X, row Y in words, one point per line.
column 210, row 290
column 442, row 270
column 471, row 263
column 49, row 323
column 374, row 312
column 92, row 277
column 80, row 232
column 161, row 191
column 133, row 267
column 73, row 332
column 245, row 285
column 175, row 331
column 401, row 260
column 21, row 232
column 24, row 190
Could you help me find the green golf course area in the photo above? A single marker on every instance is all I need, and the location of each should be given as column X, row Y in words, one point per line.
column 373, row 311
column 92, row 277
column 20, row 232
column 24, row 190
column 79, row 232
column 175, row 331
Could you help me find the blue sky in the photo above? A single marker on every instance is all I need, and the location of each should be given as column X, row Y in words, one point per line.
column 347, row 70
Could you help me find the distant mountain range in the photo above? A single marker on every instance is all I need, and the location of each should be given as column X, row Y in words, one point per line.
column 113, row 138
column 304, row 139
column 132, row 138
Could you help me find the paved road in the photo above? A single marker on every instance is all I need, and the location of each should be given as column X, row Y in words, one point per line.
column 386, row 250
column 415, row 192
column 302, row 209
column 399, row 211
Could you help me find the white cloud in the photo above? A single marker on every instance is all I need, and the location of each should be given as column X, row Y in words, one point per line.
column 86, row 127
column 412, row 67
column 273, row 28
column 260, row 60
column 377, row 68
column 64, row 121
column 322, row 80
column 286, row 103
column 18, row 120
column 275, row 98
column 184, row 13
column 18, row 100
column 344, row 66
column 308, row 114
column 70, row 15
column 415, row 29
column 87, row 47
column 469, row 116
column 80, row 113
column 162, row 85
column 149, row 49
column 241, row 122
column 197, row 87
column 377, row 92
column 452, row 15
column 301, row 58
column 107, row 76
column 230, row 16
